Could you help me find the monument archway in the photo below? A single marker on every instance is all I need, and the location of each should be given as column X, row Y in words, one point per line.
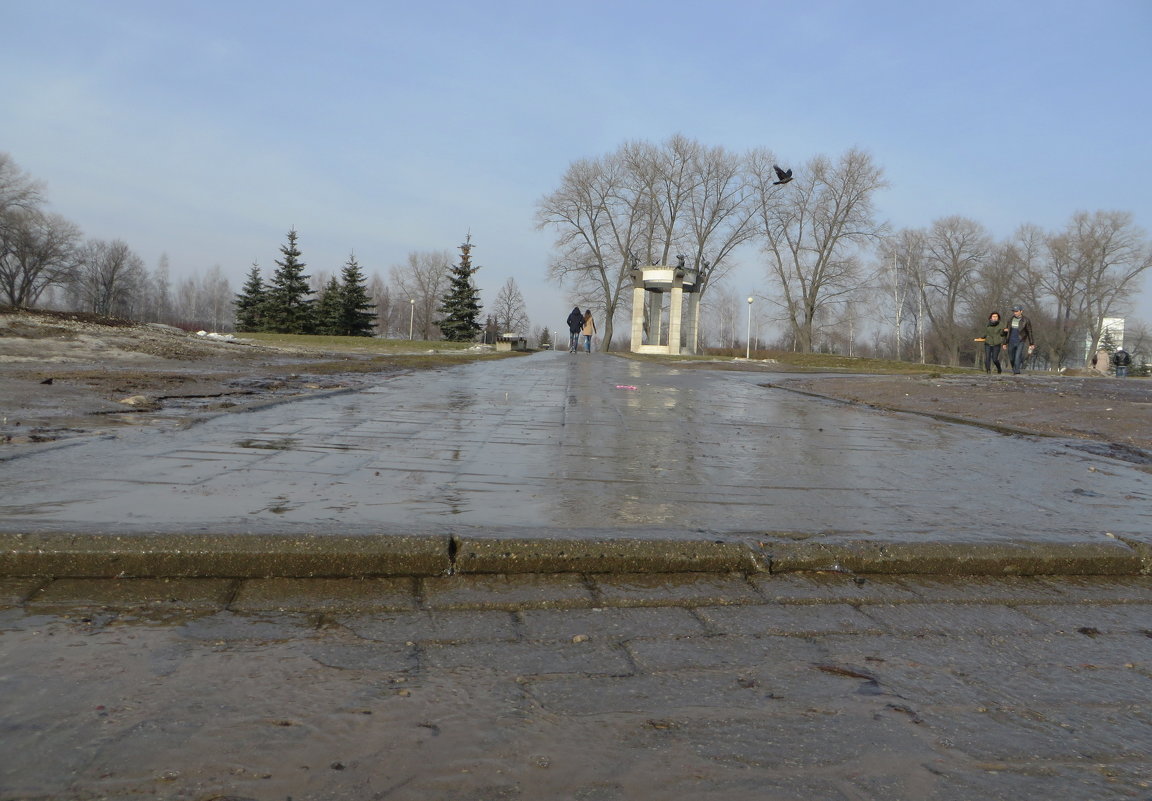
column 668, row 298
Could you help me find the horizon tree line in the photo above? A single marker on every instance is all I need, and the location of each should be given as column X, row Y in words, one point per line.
column 827, row 255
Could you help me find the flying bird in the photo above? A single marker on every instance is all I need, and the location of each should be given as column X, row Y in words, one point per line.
column 784, row 175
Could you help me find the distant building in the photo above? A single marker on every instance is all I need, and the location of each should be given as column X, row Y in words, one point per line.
column 1111, row 330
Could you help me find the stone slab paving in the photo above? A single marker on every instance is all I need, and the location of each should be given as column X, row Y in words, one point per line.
column 717, row 686
column 556, row 442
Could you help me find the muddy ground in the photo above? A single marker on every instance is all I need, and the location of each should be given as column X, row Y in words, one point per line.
column 1116, row 413
column 65, row 375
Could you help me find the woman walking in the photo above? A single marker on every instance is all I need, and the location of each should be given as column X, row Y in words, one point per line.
column 588, row 330
column 994, row 337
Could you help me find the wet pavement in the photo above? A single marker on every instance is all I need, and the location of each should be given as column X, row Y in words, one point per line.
column 496, row 606
column 607, row 687
column 580, row 442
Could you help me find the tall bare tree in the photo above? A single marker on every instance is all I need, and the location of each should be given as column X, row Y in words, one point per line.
column 387, row 311
column 900, row 278
column 814, row 234
column 1094, row 263
column 955, row 249
column 508, row 310
column 158, row 307
column 37, row 251
column 646, row 204
column 600, row 216
column 109, row 276
column 419, row 285
column 18, row 190
column 37, row 248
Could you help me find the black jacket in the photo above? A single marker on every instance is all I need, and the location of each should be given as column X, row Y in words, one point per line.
column 575, row 321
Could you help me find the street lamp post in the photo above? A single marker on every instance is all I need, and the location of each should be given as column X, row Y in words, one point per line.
column 411, row 316
column 748, row 336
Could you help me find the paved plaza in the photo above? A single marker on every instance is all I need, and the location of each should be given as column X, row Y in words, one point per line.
column 574, row 576
column 585, row 442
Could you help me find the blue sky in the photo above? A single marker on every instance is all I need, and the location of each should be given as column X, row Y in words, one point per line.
column 204, row 130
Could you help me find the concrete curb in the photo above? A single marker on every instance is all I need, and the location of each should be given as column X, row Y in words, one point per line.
column 165, row 555
column 1105, row 558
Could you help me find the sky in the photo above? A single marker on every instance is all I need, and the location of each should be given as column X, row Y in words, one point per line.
column 205, row 130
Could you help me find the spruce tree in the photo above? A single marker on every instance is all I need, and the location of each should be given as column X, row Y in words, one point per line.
column 250, row 302
column 357, row 311
column 461, row 304
column 328, row 309
column 289, row 310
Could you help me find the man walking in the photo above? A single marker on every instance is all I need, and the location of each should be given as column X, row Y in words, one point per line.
column 1019, row 339
column 575, row 323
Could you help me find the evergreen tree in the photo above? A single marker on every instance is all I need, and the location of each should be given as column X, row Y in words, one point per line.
column 357, row 311
column 461, row 305
column 250, row 302
column 328, row 309
column 288, row 309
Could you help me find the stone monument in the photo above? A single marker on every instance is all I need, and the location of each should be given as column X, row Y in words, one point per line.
column 650, row 285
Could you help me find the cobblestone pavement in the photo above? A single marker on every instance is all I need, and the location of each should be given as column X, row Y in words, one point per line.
column 703, row 686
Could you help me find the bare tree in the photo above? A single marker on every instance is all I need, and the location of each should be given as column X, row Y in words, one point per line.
column 601, row 219
column 158, row 307
column 420, row 283
column 813, row 234
column 109, row 276
column 387, row 311
column 217, row 299
column 899, row 276
column 508, row 309
column 646, row 204
column 37, row 251
column 955, row 248
column 18, row 190
column 725, row 316
column 1094, row 263
column 36, row 248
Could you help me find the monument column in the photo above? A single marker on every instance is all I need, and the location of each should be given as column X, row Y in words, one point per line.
column 692, row 324
column 637, row 310
column 675, row 312
column 655, row 316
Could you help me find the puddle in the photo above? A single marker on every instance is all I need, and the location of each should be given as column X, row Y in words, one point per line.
column 285, row 444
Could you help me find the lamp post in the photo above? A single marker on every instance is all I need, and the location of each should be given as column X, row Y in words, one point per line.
column 748, row 336
column 411, row 316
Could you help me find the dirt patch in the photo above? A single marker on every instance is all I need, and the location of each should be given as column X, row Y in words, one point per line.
column 1114, row 412
column 64, row 375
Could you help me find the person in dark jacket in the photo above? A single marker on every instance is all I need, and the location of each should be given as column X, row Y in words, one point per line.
column 575, row 323
column 993, row 338
column 1020, row 342
column 1121, row 361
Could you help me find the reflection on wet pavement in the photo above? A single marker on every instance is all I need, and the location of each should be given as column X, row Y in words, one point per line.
column 560, row 441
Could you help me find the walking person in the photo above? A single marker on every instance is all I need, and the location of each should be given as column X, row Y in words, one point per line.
column 575, row 323
column 1121, row 361
column 588, row 329
column 1019, row 339
column 993, row 339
